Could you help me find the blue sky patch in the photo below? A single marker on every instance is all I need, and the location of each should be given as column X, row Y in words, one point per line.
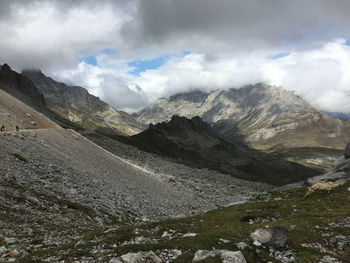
column 347, row 42
column 279, row 55
column 91, row 60
column 149, row 64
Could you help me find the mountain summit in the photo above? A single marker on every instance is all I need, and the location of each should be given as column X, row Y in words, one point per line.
column 266, row 117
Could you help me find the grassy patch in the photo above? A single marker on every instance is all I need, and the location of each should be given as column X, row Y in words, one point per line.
column 307, row 218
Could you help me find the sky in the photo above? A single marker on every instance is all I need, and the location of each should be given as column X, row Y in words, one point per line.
column 132, row 52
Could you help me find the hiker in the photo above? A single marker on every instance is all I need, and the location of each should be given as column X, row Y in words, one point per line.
column 2, row 129
column 17, row 128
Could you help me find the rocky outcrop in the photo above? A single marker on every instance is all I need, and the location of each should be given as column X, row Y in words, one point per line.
column 79, row 106
column 264, row 116
column 339, row 173
column 193, row 142
column 270, row 236
column 141, row 257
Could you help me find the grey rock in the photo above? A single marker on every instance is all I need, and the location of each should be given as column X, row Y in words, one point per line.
column 141, row 257
column 115, row 260
column 242, row 245
column 10, row 240
column 272, row 236
column 2, row 250
column 225, row 255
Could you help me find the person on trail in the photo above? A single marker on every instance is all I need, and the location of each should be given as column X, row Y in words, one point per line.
column 17, row 128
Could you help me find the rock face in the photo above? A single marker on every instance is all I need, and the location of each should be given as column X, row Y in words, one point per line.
column 20, row 87
column 339, row 173
column 272, row 236
column 195, row 143
column 264, row 116
column 77, row 105
column 225, row 255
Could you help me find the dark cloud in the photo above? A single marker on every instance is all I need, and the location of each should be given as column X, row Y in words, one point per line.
column 251, row 24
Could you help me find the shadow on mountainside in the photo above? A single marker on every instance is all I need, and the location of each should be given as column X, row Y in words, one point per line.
column 194, row 143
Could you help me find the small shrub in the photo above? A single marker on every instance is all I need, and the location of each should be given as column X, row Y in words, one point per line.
column 20, row 157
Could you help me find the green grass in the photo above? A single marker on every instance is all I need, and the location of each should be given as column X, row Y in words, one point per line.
column 320, row 208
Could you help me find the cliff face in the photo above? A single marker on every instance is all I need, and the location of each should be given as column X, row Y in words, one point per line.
column 20, row 86
column 77, row 105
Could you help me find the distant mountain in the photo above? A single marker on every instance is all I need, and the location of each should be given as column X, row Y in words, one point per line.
column 195, row 143
column 22, row 88
column 77, row 105
column 265, row 117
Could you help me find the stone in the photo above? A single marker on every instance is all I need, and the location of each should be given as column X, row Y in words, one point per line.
column 190, row 235
column 321, row 185
column 166, row 234
column 141, row 257
column 204, row 254
column 270, row 236
column 329, row 259
column 10, row 240
column 347, row 151
column 226, row 256
column 14, row 253
column 242, row 245
column 2, row 250
column 115, row 260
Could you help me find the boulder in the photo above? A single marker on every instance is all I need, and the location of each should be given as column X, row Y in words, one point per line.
column 225, row 255
column 270, row 236
column 321, row 185
column 141, row 257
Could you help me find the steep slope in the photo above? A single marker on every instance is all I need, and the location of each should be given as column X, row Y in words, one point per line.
column 24, row 90
column 195, row 143
column 76, row 104
column 266, row 117
column 14, row 112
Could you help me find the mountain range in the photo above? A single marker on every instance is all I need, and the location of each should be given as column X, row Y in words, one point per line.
column 265, row 117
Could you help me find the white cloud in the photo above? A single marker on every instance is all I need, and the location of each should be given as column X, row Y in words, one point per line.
column 321, row 76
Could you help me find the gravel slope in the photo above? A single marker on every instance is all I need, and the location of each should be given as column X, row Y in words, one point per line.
column 14, row 112
column 66, row 165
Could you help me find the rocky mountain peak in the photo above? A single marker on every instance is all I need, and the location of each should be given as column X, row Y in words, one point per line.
column 263, row 115
column 181, row 125
column 20, row 86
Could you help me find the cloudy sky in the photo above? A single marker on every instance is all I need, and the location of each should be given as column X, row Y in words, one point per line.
column 131, row 52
